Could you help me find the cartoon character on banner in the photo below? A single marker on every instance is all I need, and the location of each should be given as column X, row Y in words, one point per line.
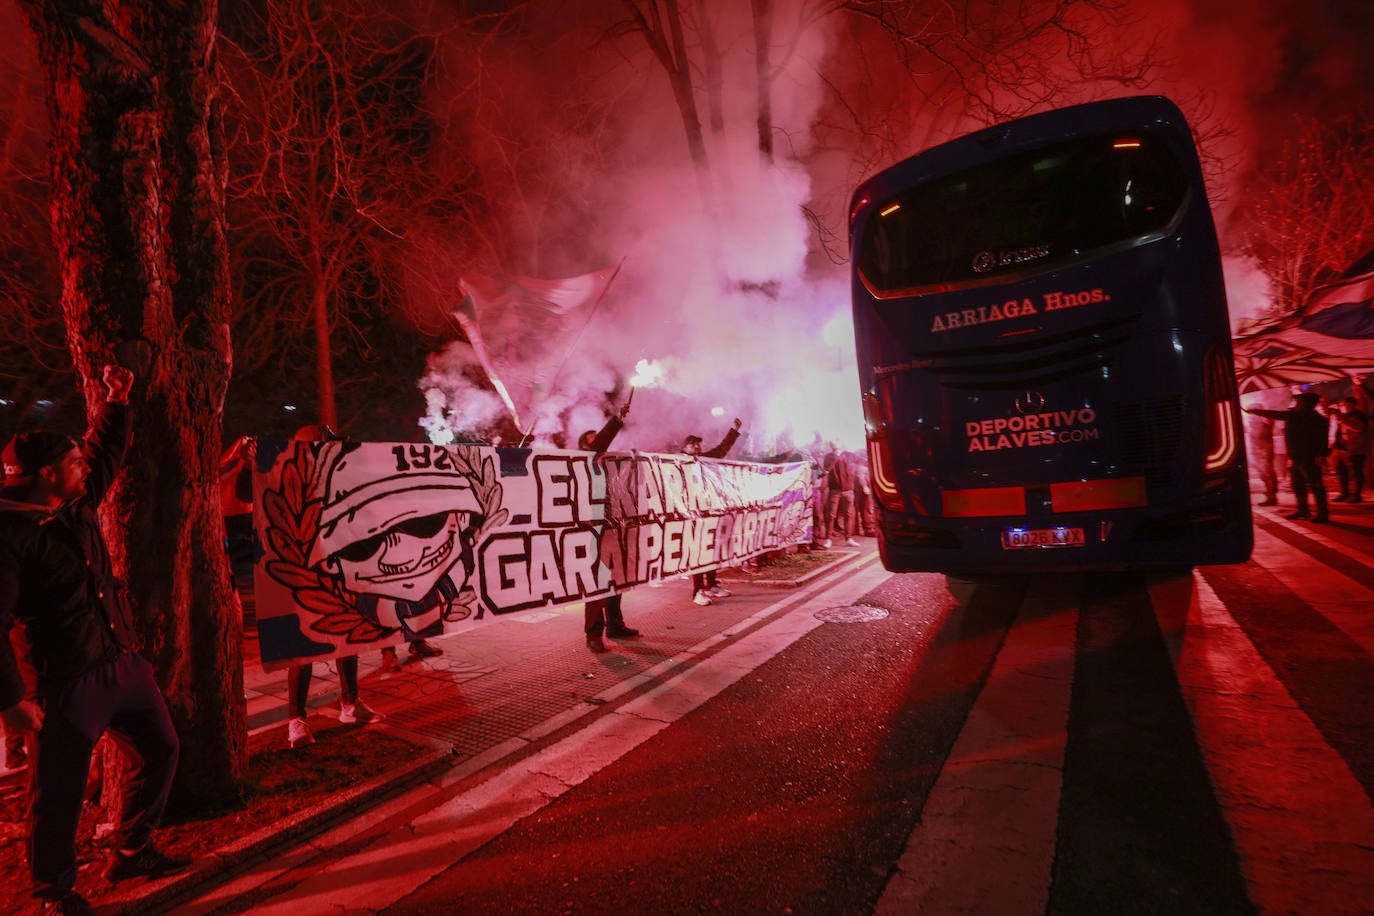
column 794, row 522
column 384, row 550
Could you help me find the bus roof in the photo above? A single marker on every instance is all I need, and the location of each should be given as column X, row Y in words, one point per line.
column 992, row 143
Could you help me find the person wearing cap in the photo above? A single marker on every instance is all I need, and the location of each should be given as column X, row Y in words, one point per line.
column 704, row 585
column 57, row 581
column 1306, row 434
column 604, row 615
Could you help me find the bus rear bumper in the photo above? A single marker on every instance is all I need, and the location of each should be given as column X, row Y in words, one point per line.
column 1211, row 533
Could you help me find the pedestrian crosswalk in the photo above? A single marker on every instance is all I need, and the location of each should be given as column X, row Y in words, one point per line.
column 1301, row 823
column 1170, row 743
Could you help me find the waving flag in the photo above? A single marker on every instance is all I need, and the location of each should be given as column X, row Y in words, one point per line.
column 1337, row 321
column 519, row 329
column 1285, row 370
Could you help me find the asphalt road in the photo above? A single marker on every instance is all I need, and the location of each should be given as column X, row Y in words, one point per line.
column 1127, row 744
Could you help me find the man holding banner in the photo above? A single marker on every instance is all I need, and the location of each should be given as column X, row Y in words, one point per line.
column 604, row 614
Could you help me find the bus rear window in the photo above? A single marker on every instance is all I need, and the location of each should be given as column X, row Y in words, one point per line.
column 1043, row 207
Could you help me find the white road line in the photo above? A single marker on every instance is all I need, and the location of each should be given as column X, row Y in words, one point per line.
column 1316, row 533
column 1302, row 826
column 1340, row 599
column 397, row 863
column 986, row 839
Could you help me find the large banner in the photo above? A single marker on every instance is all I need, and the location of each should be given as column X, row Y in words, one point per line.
column 363, row 545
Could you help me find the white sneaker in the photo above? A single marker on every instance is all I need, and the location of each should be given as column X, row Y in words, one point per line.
column 851, row 542
column 358, row 712
column 825, row 544
column 719, row 591
column 701, row 597
column 298, row 732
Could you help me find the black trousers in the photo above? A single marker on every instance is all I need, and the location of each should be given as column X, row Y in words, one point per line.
column 1350, row 472
column 599, row 614
column 1307, row 476
column 121, row 697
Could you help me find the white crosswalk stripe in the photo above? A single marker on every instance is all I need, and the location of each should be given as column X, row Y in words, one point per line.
column 995, row 804
column 1291, row 802
column 1340, row 599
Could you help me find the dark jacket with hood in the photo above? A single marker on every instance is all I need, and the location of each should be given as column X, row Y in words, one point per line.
column 839, row 478
column 723, row 449
column 606, row 436
column 56, row 578
column 1305, row 432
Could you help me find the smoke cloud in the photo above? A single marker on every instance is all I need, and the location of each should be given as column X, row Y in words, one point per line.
column 724, row 283
column 715, row 288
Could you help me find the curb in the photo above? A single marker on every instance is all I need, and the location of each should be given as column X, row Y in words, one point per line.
column 225, row 863
column 810, row 576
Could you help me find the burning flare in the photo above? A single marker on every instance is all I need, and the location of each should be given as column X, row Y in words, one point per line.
column 647, row 372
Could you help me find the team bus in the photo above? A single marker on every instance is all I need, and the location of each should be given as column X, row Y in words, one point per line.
column 1044, row 350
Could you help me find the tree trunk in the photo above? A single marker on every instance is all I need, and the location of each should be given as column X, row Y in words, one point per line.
column 324, row 358
column 714, row 69
column 138, row 177
column 680, row 76
column 763, row 67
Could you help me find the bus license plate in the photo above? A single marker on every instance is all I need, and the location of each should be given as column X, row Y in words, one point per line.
column 1031, row 538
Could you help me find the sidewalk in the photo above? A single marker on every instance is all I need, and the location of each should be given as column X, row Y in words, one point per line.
column 495, row 691
column 1338, row 511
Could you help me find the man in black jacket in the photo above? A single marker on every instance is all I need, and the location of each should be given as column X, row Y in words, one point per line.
column 57, row 582
column 603, row 615
column 1307, row 435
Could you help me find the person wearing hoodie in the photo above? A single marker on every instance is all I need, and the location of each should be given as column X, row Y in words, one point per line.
column 58, row 583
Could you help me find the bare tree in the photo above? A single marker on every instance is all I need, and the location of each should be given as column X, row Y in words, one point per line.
column 331, row 172
column 1312, row 214
column 660, row 22
column 137, row 177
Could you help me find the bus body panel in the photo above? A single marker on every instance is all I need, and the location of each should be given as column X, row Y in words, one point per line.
column 1068, row 401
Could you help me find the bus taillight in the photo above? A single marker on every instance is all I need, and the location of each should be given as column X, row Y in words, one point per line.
column 880, row 457
column 1223, row 454
column 1223, row 420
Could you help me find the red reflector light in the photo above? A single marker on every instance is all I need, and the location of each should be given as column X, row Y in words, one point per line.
column 987, row 501
column 1090, row 495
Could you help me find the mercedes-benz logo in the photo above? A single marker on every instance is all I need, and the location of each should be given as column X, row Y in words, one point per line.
column 1030, row 402
column 984, row 261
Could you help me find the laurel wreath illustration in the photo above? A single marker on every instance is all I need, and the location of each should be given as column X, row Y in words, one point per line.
column 293, row 521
